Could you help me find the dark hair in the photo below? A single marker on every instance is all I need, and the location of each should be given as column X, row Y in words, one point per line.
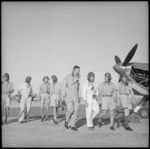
column 89, row 75
column 45, row 77
column 54, row 78
column 7, row 76
column 27, row 79
column 76, row 67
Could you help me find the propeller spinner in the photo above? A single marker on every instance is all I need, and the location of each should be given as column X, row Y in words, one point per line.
column 120, row 67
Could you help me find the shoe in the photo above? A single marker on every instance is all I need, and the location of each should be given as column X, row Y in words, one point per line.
column 112, row 128
column 5, row 121
column 55, row 121
column 21, row 122
column 91, row 128
column 66, row 125
column 117, row 124
column 42, row 120
column 46, row 119
column 99, row 124
column 129, row 129
column 74, row 128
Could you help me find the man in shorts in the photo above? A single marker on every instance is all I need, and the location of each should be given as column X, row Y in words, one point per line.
column 7, row 90
column 44, row 95
column 107, row 97
column 124, row 99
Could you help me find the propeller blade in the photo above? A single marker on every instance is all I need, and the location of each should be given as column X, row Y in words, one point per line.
column 117, row 59
column 130, row 55
column 119, row 78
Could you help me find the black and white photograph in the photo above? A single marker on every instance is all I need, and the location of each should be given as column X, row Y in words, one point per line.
column 74, row 74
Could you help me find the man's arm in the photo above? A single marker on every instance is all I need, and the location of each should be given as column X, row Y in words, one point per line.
column 85, row 94
column 63, row 88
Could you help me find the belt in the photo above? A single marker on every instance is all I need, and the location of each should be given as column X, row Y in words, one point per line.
column 124, row 94
column 106, row 95
column 45, row 92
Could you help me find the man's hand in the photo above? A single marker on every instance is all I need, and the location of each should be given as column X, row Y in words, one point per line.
column 99, row 102
column 86, row 104
column 95, row 97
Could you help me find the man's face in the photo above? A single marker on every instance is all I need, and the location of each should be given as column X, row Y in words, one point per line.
column 29, row 81
column 76, row 72
column 92, row 78
column 45, row 80
column 106, row 79
column 5, row 79
column 124, row 79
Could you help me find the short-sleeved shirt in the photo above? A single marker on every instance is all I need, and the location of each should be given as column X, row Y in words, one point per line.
column 55, row 88
column 124, row 89
column 26, row 90
column 107, row 89
column 6, row 87
column 45, row 87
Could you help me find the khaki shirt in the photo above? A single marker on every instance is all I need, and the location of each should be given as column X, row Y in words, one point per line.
column 45, row 88
column 107, row 89
column 6, row 87
column 124, row 89
column 72, row 85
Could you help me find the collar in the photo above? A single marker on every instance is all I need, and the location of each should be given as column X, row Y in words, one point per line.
column 107, row 83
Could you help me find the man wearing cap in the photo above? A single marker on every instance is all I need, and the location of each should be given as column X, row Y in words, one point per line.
column 107, row 97
column 124, row 99
column 44, row 95
column 26, row 93
column 7, row 90
column 72, row 83
column 89, row 96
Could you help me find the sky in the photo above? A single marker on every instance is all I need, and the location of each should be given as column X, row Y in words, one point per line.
column 49, row 38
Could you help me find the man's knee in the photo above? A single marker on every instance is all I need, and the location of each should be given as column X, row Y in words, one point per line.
column 71, row 111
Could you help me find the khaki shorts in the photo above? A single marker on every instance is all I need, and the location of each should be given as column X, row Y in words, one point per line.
column 6, row 99
column 55, row 98
column 108, row 103
column 45, row 98
column 125, row 102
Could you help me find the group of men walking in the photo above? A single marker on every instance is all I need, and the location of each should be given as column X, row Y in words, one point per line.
column 97, row 99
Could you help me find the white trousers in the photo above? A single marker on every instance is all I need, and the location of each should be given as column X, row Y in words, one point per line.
column 91, row 111
column 25, row 103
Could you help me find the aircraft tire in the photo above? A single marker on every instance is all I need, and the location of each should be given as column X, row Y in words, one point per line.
column 143, row 112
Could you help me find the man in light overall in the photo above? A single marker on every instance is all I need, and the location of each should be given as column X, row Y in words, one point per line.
column 89, row 96
column 7, row 90
column 26, row 93
column 72, row 97
column 107, row 97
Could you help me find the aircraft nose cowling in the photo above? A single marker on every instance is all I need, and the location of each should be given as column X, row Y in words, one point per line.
column 119, row 69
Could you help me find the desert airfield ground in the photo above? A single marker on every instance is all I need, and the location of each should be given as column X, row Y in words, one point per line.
column 47, row 134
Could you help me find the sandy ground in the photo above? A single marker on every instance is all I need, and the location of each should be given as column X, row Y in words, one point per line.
column 47, row 134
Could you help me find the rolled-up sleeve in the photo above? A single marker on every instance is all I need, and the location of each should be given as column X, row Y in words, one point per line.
column 84, row 91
